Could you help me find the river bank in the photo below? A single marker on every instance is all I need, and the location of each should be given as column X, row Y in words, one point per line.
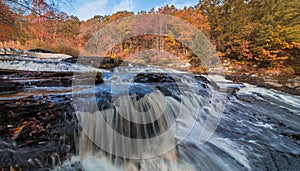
column 282, row 79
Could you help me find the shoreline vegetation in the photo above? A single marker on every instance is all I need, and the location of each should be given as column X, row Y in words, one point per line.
column 258, row 41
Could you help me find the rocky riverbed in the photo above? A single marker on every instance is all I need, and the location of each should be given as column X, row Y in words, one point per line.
column 38, row 127
column 39, row 130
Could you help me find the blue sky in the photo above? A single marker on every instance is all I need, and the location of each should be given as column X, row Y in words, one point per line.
column 89, row 8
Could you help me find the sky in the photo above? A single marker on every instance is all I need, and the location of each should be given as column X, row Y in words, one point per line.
column 86, row 9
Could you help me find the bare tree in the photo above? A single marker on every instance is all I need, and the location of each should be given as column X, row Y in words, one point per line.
column 43, row 8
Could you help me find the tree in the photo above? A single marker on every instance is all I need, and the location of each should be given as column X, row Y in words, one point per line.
column 253, row 29
column 7, row 23
column 38, row 7
column 278, row 29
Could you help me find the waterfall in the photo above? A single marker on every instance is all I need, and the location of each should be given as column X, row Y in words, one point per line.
column 140, row 131
column 110, row 128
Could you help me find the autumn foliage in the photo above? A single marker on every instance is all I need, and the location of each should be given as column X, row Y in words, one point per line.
column 266, row 32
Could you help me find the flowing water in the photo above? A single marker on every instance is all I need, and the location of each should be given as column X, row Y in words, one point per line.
column 233, row 127
column 146, row 116
column 150, row 118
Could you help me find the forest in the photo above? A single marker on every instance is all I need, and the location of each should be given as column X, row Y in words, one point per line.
column 260, row 33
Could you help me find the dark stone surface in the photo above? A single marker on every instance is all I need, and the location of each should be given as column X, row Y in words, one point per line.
column 15, row 81
column 153, row 78
column 40, row 50
column 36, row 131
column 98, row 62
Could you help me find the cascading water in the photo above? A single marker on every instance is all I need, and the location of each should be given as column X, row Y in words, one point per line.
column 152, row 118
column 254, row 132
column 42, row 64
column 139, row 119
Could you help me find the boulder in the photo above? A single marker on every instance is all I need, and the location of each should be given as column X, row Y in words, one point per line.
column 153, row 78
column 39, row 50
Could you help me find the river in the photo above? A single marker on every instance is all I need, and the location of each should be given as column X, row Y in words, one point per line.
column 151, row 118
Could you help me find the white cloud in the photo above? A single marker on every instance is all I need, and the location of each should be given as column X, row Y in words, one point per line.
column 127, row 5
column 89, row 9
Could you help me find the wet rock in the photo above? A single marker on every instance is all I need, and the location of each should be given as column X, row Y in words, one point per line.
column 99, row 62
column 31, row 158
column 16, row 81
column 6, row 86
column 39, row 50
column 31, row 135
column 35, row 124
column 231, row 89
column 98, row 79
column 245, row 78
column 274, row 84
column 202, row 79
column 153, row 78
column 33, row 54
column 293, row 83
